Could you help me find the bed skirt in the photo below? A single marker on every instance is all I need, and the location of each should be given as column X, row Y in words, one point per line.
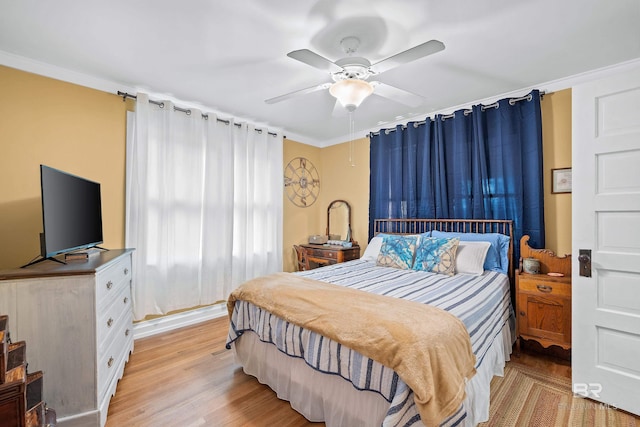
column 331, row 399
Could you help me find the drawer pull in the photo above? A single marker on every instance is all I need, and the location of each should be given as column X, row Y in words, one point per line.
column 109, row 322
column 544, row 288
column 110, row 362
column 109, row 284
column 126, row 333
column 125, row 300
column 126, row 271
column 522, row 313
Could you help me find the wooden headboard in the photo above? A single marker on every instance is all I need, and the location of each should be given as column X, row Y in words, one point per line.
column 418, row 226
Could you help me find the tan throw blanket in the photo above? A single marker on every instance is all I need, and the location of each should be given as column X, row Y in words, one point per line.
column 429, row 348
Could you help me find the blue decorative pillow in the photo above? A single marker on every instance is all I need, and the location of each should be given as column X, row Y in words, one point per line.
column 397, row 251
column 498, row 254
column 437, row 255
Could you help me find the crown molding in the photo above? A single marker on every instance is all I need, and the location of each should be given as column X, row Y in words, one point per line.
column 59, row 73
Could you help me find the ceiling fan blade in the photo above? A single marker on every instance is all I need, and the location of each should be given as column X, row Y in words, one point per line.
column 297, row 93
column 315, row 60
column 416, row 52
column 396, row 94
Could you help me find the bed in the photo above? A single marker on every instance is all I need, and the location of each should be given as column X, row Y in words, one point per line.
column 361, row 384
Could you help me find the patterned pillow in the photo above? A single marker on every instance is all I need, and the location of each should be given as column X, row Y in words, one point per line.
column 397, row 251
column 437, row 255
column 497, row 258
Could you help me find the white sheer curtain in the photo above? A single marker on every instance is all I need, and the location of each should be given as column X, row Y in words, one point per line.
column 203, row 208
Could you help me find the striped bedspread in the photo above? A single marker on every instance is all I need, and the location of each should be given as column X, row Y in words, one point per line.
column 481, row 302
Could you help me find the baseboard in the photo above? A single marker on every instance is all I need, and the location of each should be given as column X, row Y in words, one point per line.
column 90, row 418
column 159, row 325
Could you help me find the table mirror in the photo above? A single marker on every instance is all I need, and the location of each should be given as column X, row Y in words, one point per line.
column 339, row 221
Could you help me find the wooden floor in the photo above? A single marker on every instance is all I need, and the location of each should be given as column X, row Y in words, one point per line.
column 187, row 378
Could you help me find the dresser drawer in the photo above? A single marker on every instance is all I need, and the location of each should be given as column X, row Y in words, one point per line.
column 117, row 352
column 542, row 285
column 110, row 281
column 112, row 317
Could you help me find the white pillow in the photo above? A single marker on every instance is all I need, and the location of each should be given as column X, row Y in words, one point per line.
column 470, row 257
column 373, row 249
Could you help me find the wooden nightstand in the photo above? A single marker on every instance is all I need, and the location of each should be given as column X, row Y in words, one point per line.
column 543, row 302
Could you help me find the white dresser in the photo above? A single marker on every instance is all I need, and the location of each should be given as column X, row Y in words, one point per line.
column 77, row 322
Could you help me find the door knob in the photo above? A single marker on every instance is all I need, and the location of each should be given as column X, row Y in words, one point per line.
column 585, row 262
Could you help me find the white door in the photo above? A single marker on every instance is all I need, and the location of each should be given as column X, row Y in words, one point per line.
column 606, row 220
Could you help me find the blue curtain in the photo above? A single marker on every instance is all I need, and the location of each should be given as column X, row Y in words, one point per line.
column 483, row 163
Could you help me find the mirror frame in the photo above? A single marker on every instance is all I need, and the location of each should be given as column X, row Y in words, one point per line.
column 348, row 218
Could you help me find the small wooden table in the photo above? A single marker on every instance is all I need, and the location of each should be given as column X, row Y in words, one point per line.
column 321, row 255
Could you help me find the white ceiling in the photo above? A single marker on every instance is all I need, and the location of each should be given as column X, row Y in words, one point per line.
column 231, row 56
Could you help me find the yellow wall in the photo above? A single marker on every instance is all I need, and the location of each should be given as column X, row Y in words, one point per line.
column 556, row 140
column 345, row 180
column 339, row 180
column 82, row 131
column 65, row 126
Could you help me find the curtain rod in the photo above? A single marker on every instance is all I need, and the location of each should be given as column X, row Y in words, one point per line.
column 160, row 104
column 444, row 117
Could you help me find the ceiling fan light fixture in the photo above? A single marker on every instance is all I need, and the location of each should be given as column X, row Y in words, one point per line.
column 351, row 92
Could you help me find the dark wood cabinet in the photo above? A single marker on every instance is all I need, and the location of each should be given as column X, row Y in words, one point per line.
column 21, row 403
column 12, row 403
column 543, row 301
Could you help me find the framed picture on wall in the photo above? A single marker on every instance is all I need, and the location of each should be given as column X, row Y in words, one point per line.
column 561, row 180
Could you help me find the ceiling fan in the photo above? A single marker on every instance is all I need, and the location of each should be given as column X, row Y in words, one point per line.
column 351, row 74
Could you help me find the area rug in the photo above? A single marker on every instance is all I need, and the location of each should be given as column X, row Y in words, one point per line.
column 529, row 397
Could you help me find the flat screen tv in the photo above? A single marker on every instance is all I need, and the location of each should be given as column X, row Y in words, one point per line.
column 71, row 212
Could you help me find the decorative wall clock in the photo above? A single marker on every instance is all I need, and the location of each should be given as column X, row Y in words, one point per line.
column 301, row 182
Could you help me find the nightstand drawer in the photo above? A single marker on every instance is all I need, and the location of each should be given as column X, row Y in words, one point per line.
column 351, row 254
column 323, row 253
column 329, row 254
column 540, row 284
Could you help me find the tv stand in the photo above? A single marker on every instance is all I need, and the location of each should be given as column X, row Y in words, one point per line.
column 43, row 259
column 38, row 260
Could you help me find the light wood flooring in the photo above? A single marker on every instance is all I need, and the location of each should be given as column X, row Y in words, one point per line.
column 186, row 378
